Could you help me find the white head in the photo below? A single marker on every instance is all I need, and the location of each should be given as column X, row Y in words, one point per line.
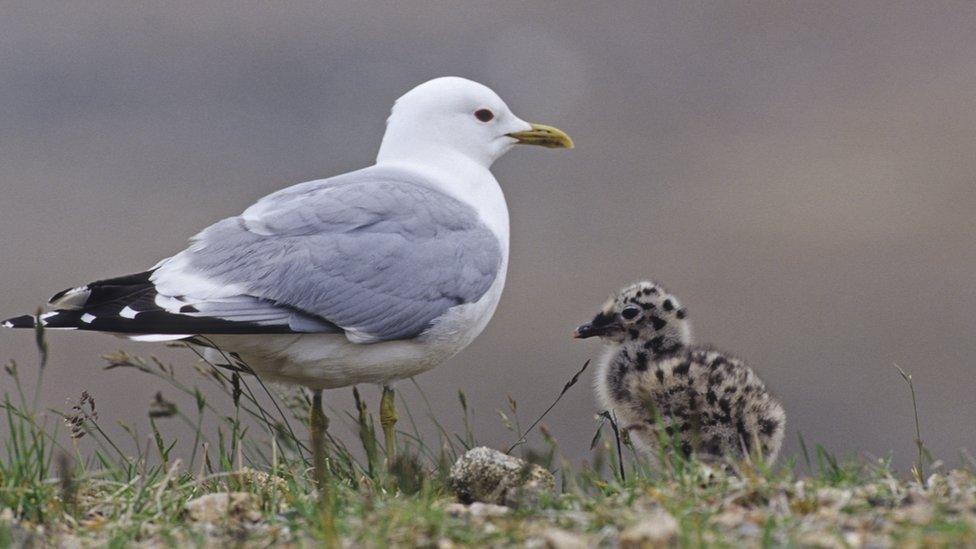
column 454, row 115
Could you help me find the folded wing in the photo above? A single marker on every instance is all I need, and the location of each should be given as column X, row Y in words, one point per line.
column 370, row 254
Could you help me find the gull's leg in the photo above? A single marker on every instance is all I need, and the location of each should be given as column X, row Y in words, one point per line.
column 318, row 423
column 388, row 419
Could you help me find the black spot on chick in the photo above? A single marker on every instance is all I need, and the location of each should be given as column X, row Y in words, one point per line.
column 668, row 305
column 654, row 343
column 724, row 404
column 682, row 313
column 621, row 368
column 768, row 425
column 710, row 397
column 682, row 369
column 601, row 320
column 641, row 362
column 658, row 322
column 659, row 373
column 620, row 392
column 617, row 385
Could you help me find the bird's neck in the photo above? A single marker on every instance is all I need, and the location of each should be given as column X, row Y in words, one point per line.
column 401, row 142
column 399, row 151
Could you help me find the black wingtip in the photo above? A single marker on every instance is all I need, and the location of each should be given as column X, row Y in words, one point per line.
column 24, row 321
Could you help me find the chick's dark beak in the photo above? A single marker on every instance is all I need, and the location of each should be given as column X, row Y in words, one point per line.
column 587, row 330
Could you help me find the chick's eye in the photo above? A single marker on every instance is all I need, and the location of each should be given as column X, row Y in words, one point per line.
column 630, row 313
column 484, row 115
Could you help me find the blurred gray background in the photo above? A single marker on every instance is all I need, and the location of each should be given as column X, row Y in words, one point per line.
column 800, row 175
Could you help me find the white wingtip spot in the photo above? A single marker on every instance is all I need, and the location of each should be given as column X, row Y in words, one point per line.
column 8, row 324
column 158, row 337
column 128, row 312
column 87, row 318
column 46, row 316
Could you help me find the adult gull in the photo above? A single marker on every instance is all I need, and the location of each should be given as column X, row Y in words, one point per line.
column 370, row 276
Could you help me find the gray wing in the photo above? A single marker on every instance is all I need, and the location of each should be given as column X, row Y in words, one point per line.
column 376, row 255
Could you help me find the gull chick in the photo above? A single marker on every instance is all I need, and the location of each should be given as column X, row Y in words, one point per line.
column 367, row 277
column 651, row 377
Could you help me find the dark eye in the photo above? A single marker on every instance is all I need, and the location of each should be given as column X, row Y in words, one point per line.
column 630, row 313
column 484, row 115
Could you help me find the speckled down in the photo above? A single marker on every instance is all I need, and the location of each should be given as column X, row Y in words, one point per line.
column 662, row 388
column 489, row 476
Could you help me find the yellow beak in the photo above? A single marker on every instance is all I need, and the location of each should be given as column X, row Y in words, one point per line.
column 544, row 136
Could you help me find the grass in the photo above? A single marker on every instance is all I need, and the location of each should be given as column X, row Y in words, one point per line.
column 77, row 486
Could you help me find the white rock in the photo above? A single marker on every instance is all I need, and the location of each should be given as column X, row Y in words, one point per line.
column 489, row 476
